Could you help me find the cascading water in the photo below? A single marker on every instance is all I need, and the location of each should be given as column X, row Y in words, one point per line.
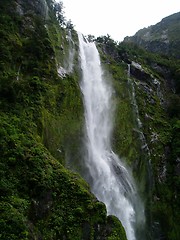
column 107, row 175
column 136, row 110
column 68, row 64
column 71, row 53
column 144, row 146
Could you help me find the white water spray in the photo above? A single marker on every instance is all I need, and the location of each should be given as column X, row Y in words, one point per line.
column 71, row 53
column 108, row 177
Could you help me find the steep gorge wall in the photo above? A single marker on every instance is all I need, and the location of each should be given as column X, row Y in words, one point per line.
column 145, row 128
column 42, row 124
column 41, row 117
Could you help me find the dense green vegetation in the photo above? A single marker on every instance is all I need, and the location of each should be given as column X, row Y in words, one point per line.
column 162, row 37
column 41, row 118
column 41, row 124
column 157, row 95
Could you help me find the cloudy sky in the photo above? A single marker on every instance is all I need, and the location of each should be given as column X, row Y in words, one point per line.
column 118, row 18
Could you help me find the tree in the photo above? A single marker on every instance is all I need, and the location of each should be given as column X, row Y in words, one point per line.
column 58, row 8
column 69, row 25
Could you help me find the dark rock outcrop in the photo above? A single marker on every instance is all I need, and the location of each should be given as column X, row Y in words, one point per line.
column 163, row 38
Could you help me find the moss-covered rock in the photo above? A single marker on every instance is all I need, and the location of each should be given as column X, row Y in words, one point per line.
column 40, row 124
column 146, row 86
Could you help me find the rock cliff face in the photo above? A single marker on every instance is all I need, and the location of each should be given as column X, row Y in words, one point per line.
column 161, row 38
column 41, row 126
column 146, row 121
column 40, row 7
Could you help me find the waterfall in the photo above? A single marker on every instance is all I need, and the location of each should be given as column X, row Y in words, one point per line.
column 144, row 145
column 71, row 53
column 68, row 64
column 136, row 110
column 110, row 180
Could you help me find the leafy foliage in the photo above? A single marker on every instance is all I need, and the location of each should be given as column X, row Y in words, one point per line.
column 162, row 38
column 158, row 182
column 41, row 116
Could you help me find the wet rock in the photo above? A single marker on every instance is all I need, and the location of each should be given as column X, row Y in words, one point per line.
column 138, row 72
column 38, row 7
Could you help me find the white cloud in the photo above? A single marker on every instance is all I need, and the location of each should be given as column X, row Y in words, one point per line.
column 118, row 18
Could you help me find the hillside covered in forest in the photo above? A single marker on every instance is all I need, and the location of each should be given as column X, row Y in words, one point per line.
column 43, row 189
column 162, row 38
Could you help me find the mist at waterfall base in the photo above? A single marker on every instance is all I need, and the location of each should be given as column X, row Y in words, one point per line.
column 110, row 180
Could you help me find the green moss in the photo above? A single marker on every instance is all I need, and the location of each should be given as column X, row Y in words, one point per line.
column 41, row 125
column 155, row 170
column 118, row 232
column 39, row 197
column 41, row 130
